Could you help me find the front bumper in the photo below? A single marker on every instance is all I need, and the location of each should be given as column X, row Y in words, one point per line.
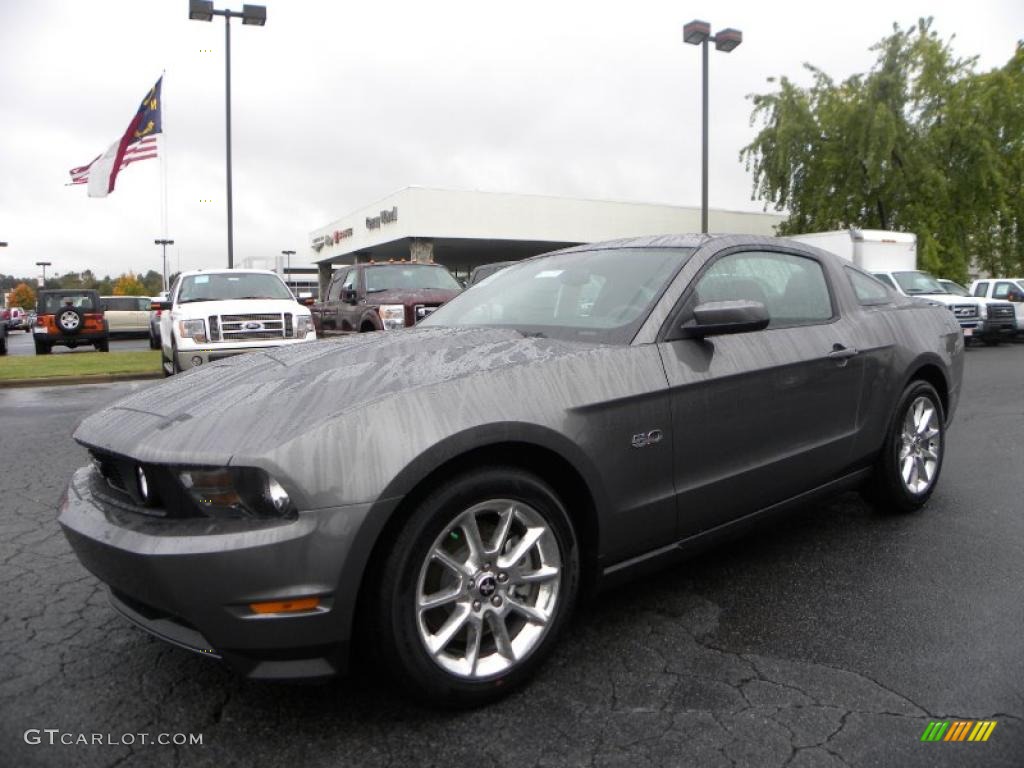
column 190, row 581
column 194, row 356
column 996, row 329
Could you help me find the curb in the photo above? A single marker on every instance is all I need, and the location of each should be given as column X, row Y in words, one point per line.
column 66, row 380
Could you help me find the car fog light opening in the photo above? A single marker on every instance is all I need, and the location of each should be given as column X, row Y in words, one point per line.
column 197, row 360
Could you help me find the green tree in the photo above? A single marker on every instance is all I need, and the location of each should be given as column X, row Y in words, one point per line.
column 22, row 296
column 154, row 282
column 921, row 143
column 129, row 285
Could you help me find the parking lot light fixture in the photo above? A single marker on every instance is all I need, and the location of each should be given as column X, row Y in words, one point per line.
column 44, row 265
column 288, row 269
column 699, row 33
column 251, row 15
column 164, row 243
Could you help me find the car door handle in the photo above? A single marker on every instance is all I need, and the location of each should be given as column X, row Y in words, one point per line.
column 839, row 352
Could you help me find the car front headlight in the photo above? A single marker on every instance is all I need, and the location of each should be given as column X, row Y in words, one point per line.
column 236, row 492
column 193, row 329
column 393, row 316
column 303, row 325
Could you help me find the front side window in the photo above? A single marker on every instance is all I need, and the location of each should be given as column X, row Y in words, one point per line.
column 868, row 289
column 602, row 295
column 224, row 286
column 409, row 277
column 1002, row 289
column 981, row 289
column 792, row 288
column 334, row 292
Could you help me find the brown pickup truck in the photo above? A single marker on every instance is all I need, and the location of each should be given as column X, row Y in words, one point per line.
column 383, row 296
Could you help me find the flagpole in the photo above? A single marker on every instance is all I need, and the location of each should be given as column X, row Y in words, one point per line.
column 227, row 70
column 163, row 176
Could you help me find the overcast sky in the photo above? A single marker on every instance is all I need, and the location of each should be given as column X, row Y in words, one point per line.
column 336, row 104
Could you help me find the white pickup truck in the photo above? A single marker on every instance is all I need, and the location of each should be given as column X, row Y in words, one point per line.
column 1003, row 289
column 213, row 314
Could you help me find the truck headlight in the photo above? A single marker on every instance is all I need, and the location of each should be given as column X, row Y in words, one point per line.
column 983, row 311
column 193, row 329
column 393, row 316
column 303, row 325
column 236, row 492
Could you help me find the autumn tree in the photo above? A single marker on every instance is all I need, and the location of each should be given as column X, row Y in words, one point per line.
column 129, row 285
column 922, row 143
column 22, row 296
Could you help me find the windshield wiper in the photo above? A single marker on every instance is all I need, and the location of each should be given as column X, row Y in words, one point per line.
column 242, row 298
column 377, row 290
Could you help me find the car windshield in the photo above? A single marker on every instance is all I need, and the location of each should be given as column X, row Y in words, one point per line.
column 409, row 277
column 955, row 288
column 601, row 295
column 914, row 283
column 221, row 286
column 53, row 302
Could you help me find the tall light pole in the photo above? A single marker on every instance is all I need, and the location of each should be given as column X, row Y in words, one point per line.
column 164, row 243
column 699, row 33
column 44, row 265
column 288, row 269
column 253, row 15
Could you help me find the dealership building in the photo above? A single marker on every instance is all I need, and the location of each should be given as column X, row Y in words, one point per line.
column 463, row 229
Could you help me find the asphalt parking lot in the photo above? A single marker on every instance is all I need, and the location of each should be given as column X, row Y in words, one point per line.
column 20, row 343
column 832, row 638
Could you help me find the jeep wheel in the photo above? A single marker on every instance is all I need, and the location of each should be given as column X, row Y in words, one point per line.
column 42, row 347
column 908, row 467
column 69, row 320
column 103, row 346
column 477, row 587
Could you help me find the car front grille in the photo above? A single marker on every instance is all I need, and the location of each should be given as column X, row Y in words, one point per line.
column 1000, row 311
column 965, row 310
column 251, row 327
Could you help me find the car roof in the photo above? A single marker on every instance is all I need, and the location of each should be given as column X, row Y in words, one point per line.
column 192, row 272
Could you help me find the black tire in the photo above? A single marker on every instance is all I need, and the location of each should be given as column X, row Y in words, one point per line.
column 393, row 614
column 888, row 490
column 69, row 319
column 103, row 346
column 154, row 342
column 42, row 347
column 991, row 341
column 175, row 368
column 3, row 346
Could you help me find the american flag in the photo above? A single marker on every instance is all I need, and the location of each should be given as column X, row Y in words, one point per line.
column 143, row 149
column 137, row 143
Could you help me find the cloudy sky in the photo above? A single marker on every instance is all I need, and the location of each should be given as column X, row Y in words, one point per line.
column 336, row 104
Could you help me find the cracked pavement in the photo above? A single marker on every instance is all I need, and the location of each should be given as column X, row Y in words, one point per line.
column 830, row 638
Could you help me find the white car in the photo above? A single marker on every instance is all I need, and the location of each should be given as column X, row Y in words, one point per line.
column 1004, row 289
column 213, row 314
column 979, row 318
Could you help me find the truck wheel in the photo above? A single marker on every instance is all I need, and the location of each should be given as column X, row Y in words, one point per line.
column 908, row 467
column 992, row 341
column 478, row 585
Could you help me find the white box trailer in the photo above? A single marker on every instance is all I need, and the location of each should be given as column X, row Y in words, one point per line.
column 873, row 250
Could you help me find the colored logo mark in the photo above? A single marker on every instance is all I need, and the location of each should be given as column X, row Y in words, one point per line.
column 958, row 730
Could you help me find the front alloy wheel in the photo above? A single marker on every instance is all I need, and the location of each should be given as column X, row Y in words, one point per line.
column 488, row 589
column 475, row 588
column 921, row 443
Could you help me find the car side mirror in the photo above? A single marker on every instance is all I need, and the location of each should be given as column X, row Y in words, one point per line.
column 160, row 305
column 717, row 318
column 350, row 295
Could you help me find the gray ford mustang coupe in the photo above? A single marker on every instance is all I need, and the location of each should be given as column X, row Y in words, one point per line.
column 451, row 490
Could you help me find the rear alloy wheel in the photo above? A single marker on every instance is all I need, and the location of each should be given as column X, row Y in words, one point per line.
column 908, row 467
column 477, row 587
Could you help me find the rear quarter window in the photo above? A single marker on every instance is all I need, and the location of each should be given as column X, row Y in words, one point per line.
column 868, row 290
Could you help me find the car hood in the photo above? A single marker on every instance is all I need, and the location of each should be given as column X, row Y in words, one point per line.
column 262, row 399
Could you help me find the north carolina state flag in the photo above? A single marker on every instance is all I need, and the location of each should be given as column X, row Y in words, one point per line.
column 139, row 142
